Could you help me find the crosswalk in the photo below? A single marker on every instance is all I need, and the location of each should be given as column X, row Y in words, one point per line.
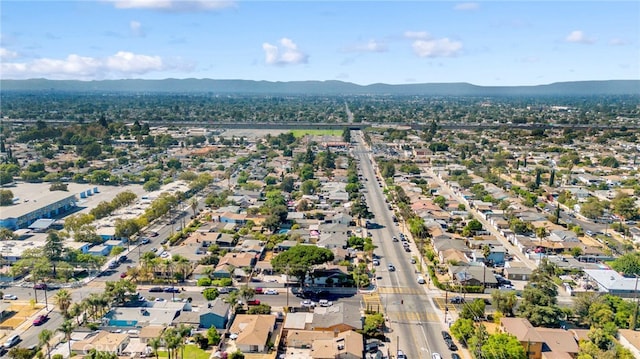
column 400, row 290
column 412, row 317
column 373, row 302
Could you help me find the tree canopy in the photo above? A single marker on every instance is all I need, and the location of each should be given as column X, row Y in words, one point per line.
column 299, row 260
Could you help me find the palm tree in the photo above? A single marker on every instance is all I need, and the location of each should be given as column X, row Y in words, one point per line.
column 171, row 340
column 154, row 343
column 67, row 328
column 44, row 337
column 75, row 310
column 63, row 300
column 184, row 331
column 246, row 293
column 194, row 205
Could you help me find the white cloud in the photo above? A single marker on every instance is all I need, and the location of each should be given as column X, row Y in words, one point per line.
column 370, row 46
column 174, row 5
column 436, row 47
column 579, row 37
column 136, row 29
column 618, row 42
column 467, row 6
column 416, row 35
column 122, row 64
column 7, row 54
column 286, row 54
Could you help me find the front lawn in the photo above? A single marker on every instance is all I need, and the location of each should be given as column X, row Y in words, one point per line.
column 191, row 351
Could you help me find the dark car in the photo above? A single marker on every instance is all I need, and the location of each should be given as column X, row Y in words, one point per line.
column 171, row 290
column 451, row 345
column 456, row 300
column 446, row 335
column 40, row 286
column 155, row 289
column 455, row 356
column 40, row 319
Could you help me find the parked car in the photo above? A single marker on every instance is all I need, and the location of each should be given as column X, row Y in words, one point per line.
column 376, row 262
column 307, row 304
column 401, row 355
column 10, row 297
column 325, row 303
column 271, row 292
column 421, row 280
column 259, row 290
column 40, row 319
column 123, row 275
column 436, row 356
column 12, row 341
column 446, row 335
column 171, row 290
column 253, row 302
column 451, row 345
column 155, row 289
column 456, row 300
column 455, row 356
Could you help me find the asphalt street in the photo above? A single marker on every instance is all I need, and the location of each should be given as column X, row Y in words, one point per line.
column 414, row 321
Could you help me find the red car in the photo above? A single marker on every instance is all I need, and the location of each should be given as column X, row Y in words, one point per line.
column 40, row 319
column 259, row 290
column 122, row 275
column 253, row 302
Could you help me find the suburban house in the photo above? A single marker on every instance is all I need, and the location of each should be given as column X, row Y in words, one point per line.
column 612, row 282
column 253, row 332
column 103, row 341
column 541, row 343
column 346, row 345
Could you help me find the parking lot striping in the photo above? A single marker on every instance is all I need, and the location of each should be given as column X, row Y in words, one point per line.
column 412, row 317
column 400, row 290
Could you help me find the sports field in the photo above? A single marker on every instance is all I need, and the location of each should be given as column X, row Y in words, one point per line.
column 302, row 133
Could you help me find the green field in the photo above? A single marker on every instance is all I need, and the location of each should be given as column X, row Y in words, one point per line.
column 302, row 133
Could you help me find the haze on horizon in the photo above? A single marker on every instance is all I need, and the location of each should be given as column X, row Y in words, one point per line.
column 486, row 43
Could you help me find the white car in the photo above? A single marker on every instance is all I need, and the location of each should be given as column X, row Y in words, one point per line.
column 436, row 356
column 271, row 292
column 10, row 297
column 325, row 303
column 307, row 304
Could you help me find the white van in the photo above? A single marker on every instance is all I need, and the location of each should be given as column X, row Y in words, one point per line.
column 421, row 280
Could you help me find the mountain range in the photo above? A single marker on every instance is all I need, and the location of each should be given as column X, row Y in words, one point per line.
column 577, row 88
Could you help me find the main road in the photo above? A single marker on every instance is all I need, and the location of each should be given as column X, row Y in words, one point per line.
column 415, row 323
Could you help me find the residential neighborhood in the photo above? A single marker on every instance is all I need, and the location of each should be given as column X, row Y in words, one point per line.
column 216, row 243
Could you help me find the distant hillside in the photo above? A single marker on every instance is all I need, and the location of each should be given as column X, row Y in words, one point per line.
column 580, row 88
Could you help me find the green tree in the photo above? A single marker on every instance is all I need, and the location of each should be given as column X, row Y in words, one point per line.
column 628, row 263
column 624, row 206
column 504, row 301
column 67, row 328
column 6, row 197
column 213, row 336
column 20, row 353
column 155, row 343
column 462, row 329
column 63, row 300
column 236, row 355
column 373, row 325
column 299, row 260
column 473, row 310
column 44, row 338
column 53, row 249
column 503, row 345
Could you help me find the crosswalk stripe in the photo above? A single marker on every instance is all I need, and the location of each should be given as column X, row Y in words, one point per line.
column 400, row 290
column 413, row 317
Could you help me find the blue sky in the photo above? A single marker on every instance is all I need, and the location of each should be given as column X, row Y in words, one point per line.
column 484, row 43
